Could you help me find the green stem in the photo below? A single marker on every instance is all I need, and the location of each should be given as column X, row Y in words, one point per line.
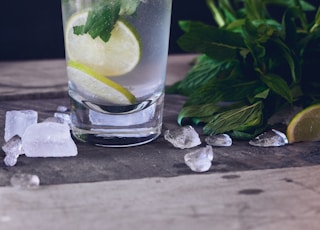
column 317, row 21
column 218, row 17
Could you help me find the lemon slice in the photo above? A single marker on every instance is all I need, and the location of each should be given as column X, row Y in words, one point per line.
column 305, row 126
column 116, row 57
column 87, row 80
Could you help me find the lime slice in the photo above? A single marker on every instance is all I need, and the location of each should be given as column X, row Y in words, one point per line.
column 98, row 86
column 305, row 126
column 116, row 57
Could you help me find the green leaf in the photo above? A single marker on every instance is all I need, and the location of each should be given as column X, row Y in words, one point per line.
column 253, row 60
column 205, row 70
column 197, row 111
column 217, row 15
column 316, row 21
column 278, row 85
column 286, row 53
column 100, row 21
column 262, row 95
column 217, row 43
column 255, row 9
column 240, row 119
column 290, row 28
column 227, row 91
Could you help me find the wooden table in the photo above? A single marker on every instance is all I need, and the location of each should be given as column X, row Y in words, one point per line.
column 136, row 188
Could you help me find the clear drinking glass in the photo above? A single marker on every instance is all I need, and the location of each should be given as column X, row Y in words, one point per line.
column 116, row 53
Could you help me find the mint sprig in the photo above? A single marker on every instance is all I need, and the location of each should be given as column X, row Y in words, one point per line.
column 100, row 21
column 251, row 65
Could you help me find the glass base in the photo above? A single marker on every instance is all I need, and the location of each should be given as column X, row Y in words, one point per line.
column 109, row 140
column 116, row 129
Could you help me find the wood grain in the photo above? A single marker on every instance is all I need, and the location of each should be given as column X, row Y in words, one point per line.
column 156, row 159
column 286, row 199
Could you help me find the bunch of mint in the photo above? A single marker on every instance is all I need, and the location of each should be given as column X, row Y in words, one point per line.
column 252, row 63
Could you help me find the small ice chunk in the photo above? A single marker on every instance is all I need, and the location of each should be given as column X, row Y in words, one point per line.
column 183, row 137
column 273, row 138
column 10, row 159
column 25, row 181
column 64, row 117
column 199, row 160
column 13, row 145
column 17, row 121
column 54, row 120
column 62, row 109
column 219, row 140
column 48, row 139
column 12, row 149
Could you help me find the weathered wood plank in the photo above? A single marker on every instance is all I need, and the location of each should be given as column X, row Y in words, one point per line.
column 286, row 199
column 156, row 159
column 32, row 79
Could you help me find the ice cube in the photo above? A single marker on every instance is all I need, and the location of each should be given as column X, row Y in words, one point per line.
column 54, row 120
column 17, row 121
column 13, row 145
column 25, row 181
column 48, row 139
column 183, row 137
column 12, row 149
column 199, row 160
column 64, row 117
column 272, row 138
column 62, row 109
column 219, row 140
column 10, row 159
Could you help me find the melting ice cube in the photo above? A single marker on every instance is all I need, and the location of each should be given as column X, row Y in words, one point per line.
column 24, row 180
column 219, row 140
column 48, row 139
column 199, row 160
column 12, row 149
column 17, row 121
column 271, row 138
column 63, row 117
column 54, row 120
column 10, row 159
column 13, row 145
column 62, row 109
column 183, row 137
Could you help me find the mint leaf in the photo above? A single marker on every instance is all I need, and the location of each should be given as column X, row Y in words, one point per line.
column 252, row 60
column 197, row 111
column 278, row 85
column 205, row 70
column 239, row 119
column 100, row 21
column 216, row 43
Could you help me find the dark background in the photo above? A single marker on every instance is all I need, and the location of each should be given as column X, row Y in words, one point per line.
column 33, row 29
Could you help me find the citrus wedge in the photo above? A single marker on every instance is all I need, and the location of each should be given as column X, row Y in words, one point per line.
column 116, row 57
column 305, row 126
column 87, row 80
